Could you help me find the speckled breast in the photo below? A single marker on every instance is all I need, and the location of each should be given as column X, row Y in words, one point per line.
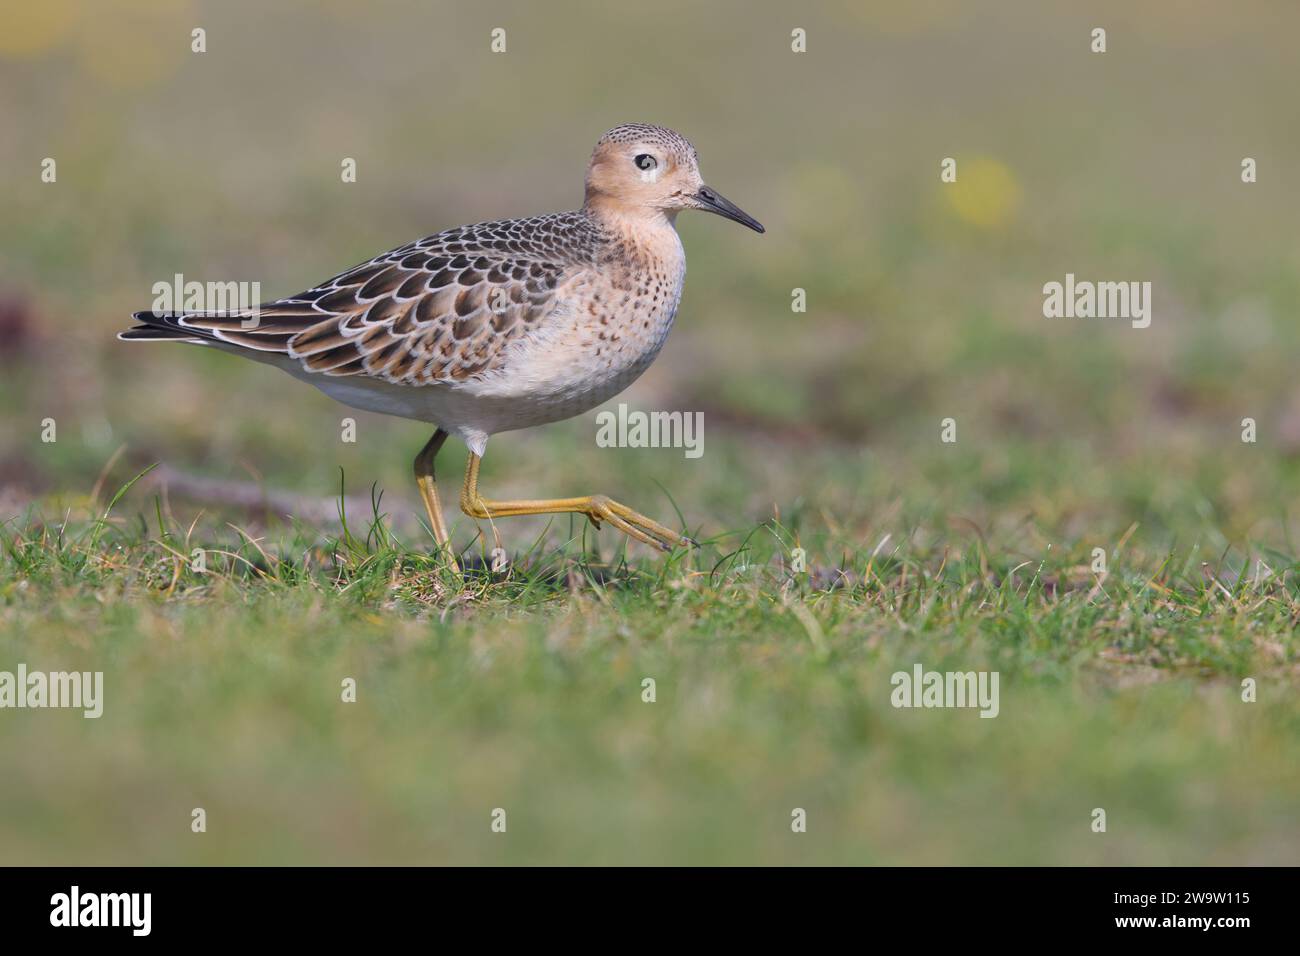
column 605, row 331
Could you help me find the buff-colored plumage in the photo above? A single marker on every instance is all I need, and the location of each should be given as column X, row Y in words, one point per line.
column 499, row 325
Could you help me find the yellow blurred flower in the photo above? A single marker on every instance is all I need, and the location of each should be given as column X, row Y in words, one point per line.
column 29, row 29
column 125, row 43
column 985, row 194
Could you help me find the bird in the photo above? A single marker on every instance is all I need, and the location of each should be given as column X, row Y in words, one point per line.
column 495, row 326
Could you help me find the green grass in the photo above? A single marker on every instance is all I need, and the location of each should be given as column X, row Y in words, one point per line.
column 822, row 431
column 523, row 690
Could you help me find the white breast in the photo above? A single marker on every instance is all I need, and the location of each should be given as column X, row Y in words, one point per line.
column 605, row 331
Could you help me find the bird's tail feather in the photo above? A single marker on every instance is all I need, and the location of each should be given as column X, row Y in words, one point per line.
column 162, row 327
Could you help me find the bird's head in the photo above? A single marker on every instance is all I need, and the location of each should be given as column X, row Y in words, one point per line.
column 637, row 170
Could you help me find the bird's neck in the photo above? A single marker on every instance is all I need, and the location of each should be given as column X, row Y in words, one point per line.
column 639, row 237
column 627, row 219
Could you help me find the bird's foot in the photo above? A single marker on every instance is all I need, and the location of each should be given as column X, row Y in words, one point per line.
column 634, row 524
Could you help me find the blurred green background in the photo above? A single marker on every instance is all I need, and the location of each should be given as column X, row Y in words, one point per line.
column 924, row 301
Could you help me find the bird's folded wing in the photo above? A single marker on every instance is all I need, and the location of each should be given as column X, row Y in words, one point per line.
column 441, row 309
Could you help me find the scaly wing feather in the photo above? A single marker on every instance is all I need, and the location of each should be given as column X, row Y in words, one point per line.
column 441, row 309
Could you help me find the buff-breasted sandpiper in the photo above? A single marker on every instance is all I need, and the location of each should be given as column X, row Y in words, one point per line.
column 499, row 325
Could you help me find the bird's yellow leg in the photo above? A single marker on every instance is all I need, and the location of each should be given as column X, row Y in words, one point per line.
column 597, row 508
column 429, row 494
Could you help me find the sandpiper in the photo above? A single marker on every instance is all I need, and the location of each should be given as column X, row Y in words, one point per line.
column 498, row 325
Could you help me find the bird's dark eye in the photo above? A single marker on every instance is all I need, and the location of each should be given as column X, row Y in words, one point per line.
column 646, row 161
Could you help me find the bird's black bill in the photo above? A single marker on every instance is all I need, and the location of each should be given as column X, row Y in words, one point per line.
column 710, row 201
